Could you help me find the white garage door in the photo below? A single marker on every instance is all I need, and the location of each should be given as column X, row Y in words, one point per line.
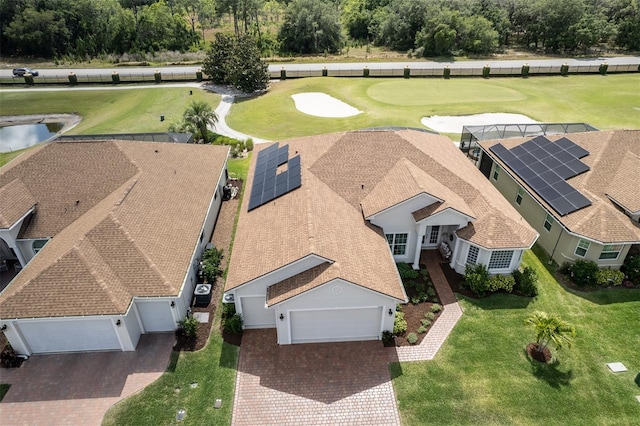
column 70, row 336
column 254, row 314
column 335, row 325
column 156, row 316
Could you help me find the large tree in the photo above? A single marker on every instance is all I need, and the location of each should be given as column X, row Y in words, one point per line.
column 311, row 26
column 236, row 61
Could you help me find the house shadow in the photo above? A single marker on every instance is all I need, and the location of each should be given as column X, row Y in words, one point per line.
column 498, row 301
column 90, row 374
column 323, row 372
column 550, row 373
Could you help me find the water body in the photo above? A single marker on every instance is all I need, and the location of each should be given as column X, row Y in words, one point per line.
column 22, row 136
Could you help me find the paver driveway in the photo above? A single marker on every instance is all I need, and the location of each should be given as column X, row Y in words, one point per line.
column 311, row 384
column 78, row 389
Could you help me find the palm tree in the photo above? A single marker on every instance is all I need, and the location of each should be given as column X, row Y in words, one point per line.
column 550, row 329
column 200, row 115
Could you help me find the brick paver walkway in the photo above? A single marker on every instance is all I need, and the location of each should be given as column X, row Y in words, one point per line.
column 78, row 389
column 450, row 315
column 313, row 384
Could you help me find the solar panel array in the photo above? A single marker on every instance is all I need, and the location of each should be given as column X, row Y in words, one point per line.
column 267, row 183
column 545, row 166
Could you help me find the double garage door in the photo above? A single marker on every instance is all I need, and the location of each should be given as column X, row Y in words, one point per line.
column 335, row 325
column 69, row 336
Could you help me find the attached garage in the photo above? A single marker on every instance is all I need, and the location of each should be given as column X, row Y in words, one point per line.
column 255, row 314
column 335, row 325
column 69, row 335
column 156, row 316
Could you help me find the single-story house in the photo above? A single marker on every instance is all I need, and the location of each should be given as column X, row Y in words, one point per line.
column 108, row 235
column 581, row 191
column 325, row 218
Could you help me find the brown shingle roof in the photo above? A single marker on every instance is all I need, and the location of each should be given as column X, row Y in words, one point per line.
column 137, row 240
column 16, row 201
column 344, row 174
column 614, row 171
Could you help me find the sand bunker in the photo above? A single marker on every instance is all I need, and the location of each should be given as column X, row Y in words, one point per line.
column 323, row 105
column 454, row 123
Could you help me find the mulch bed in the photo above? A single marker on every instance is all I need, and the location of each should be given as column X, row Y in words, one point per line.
column 544, row 356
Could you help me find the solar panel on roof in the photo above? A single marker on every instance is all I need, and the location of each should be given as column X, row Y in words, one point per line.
column 268, row 184
column 544, row 166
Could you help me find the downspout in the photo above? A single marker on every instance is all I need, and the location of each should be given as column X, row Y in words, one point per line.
column 553, row 252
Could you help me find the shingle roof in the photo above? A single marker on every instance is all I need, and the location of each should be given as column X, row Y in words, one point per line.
column 344, row 175
column 133, row 235
column 16, row 201
column 614, row 172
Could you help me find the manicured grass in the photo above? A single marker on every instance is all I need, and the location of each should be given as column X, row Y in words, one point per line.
column 5, row 157
column 609, row 102
column 212, row 368
column 109, row 111
column 239, row 167
column 482, row 374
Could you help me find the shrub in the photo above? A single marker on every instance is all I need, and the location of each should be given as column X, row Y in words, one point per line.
column 211, row 259
column 501, row 282
column 398, row 308
column 412, row 338
column 565, row 268
column 407, row 272
column 409, row 284
column 233, row 324
column 631, row 268
column 228, row 310
column 606, row 277
column 425, row 275
column 583, row 273
column 476, row 278
column 436, row 307
column 9, row 358
column 422, row 329
column 399, row 324
column 415, row 300
column 387, row 338
column 249, row 144
column 430, row 316
column 526, row 281
column 425, row 322
column 431, row 292
column 424, row 297
column 189, row 326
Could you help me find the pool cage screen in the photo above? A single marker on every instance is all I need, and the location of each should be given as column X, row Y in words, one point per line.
column 472, row 134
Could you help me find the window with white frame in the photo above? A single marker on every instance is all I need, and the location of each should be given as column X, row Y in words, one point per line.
column 397, row 243
column 500, row 259
column 582, row 248
column 519, row 196
column 496, row 172
column 548, row 222
column 435, row 233
column 472, row 255
column 610, row 251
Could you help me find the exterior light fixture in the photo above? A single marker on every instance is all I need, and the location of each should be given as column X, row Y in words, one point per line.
column 390, row 312
column 4, row 327
column 173, row 303
column 118, row 323
column 281, row 317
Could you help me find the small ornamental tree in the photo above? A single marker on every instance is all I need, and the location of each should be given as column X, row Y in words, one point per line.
column 550, row 329
column 200, row 115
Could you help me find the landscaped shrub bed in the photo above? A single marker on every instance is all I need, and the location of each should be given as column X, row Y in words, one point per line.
column 480, row 282
column 586, row 275
column 415, row 318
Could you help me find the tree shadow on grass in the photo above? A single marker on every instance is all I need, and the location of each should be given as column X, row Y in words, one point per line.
column 550, row 373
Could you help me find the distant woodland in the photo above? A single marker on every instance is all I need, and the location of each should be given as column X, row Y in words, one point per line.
column 84, row 29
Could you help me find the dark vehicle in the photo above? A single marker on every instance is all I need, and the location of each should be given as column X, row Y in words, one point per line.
column 19, row 72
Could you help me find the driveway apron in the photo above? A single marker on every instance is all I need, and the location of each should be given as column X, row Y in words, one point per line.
column 313, row 384
column 79, row 388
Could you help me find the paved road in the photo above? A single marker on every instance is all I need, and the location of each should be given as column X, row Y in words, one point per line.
column 274, row 68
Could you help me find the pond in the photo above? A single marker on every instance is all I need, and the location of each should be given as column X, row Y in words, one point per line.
column 22, row 136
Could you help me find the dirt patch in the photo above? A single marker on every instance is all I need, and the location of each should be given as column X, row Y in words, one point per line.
column 544, row 356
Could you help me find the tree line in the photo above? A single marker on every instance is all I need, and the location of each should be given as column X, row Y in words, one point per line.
column 88, row 28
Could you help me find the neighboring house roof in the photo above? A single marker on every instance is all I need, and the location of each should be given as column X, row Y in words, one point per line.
column 346, row 177
column 125, row 218
column 614, row 173
column 16, row 201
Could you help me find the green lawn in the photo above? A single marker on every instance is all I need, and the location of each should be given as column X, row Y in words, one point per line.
column 109, row 111
column 483, row 376
column 609, row 102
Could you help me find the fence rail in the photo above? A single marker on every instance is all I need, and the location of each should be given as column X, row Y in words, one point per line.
column 369, row 71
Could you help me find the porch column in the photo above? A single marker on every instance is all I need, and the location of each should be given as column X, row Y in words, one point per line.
column 416, row 258
column 454, row 256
